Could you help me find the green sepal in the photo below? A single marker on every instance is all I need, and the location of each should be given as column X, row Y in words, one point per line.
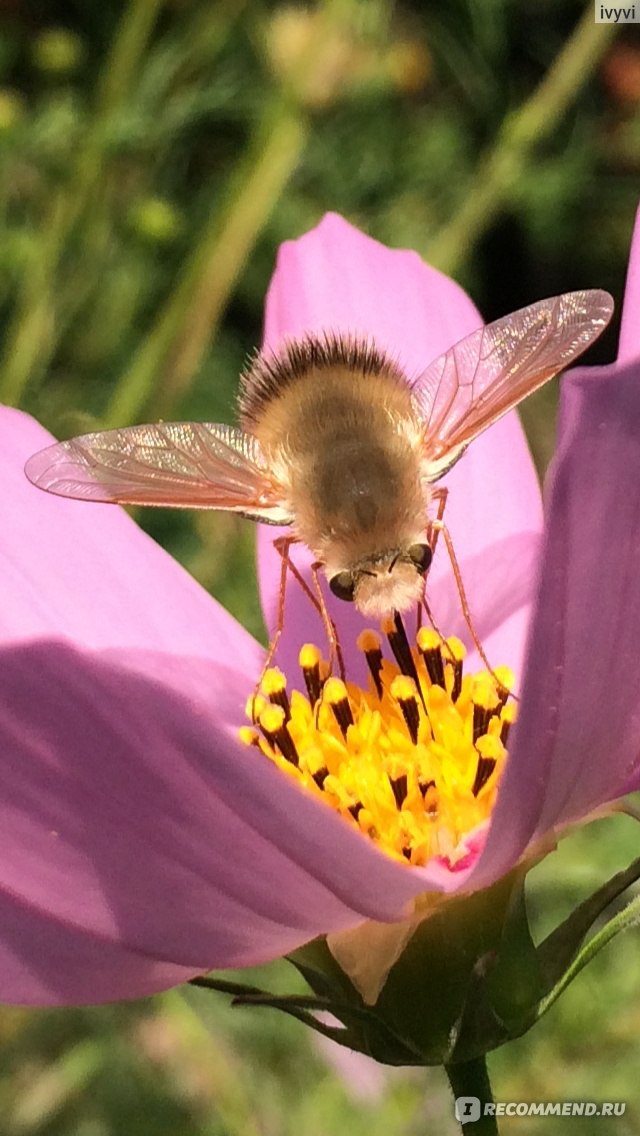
column 559, row 949
column 506, row 984
column 564, row 954
column 426, row 995
column 514, row 982
column 469, row 979
column 358, row 1026
column 625, row 920
column 437, row 999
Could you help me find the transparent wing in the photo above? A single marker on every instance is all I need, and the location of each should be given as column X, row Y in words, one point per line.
column 494, row 368
column 184, row 464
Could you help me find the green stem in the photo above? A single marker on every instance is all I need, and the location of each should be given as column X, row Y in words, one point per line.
column 171, row 353
column 471, row 1079
column 507, row 161
column 201, row 1047
column 32, row 335
column 121, row 67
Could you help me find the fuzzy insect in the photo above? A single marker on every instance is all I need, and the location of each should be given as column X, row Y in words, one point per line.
column 336, row 442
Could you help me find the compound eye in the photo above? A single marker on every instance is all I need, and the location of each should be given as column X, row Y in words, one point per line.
column 421, row 555
column 343, row 586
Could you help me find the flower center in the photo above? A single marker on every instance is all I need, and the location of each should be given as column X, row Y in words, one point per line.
column 414, row 761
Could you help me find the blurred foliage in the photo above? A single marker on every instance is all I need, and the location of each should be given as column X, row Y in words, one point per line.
column 152, row 157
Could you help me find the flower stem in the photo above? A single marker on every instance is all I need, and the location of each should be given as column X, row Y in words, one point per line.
column 471, row 1079
column 507, row 161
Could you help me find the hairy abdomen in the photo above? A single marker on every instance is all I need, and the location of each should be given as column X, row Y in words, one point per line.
column 349, row 447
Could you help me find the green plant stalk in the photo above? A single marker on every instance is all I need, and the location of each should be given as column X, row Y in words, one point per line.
column 31, row 332
column 31, row 337
column 178, row 339
column 168, row 358
column 123, row 60
column 230, row 1108
column 471, row 1079
column 52, row 1090
column 508, row 159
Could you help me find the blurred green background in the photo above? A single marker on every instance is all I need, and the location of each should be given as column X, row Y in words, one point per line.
column 152, row 157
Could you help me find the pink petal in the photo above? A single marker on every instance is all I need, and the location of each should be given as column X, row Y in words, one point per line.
column 43, row 963
column 87, row 573
column 337, row 279
column 143, row 843
column 629, row 346
column 577, row 743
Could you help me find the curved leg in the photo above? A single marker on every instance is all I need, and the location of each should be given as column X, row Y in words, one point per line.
column 434, row 528
column 329, row 625
column 282, row 546
column 440, row 526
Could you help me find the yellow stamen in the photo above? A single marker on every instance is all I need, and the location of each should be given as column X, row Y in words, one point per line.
column 369, row 643
column 310, row 661
column 273, row 723
column 337, row 697
column 414, row 762
column 274, row 686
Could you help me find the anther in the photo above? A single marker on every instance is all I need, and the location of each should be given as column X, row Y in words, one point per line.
column 315, row 764
column 489, row 749
column 274, row 686
column 431, row 801
column 399, row 787
column 484, row 769
column 505, row 680
column 485, row 704
column 249, row 736
column 481, row 718
column 424, row 786
column 403, row 689
column 456, row 651
column 309, row 660
column 274, row 727
column 335, row 693
column 397, row 636
column 507, row 718
column 430, row 647
column 369, row 644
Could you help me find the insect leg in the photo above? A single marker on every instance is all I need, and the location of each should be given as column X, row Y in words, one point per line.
column 440, row 495
column 282, row 545
column 329, row 625
column 433, row 527
column 439, row 526
column 427, row 607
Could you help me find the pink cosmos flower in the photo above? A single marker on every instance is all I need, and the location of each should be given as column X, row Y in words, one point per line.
column 142, row 843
